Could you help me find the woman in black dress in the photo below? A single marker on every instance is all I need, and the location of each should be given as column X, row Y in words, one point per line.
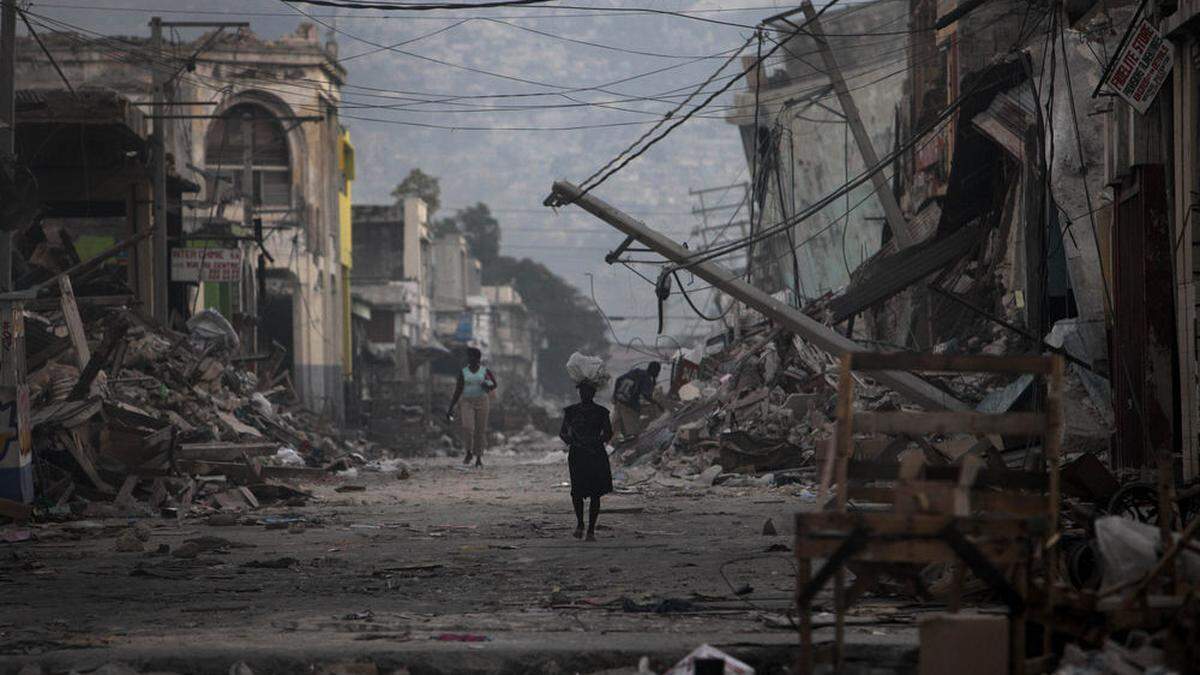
column 586, row 430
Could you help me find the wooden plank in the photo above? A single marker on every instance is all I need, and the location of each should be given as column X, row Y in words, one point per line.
column 1053, row 455
column 844, row 436
column 1012, row 424
column 223, row 452
column 240, row 472
column 96, row 260
column 126, row 493
column 75, row 329
column 75, row 445
column 113, row 334
column 911, row 550
column 945, row 363
column 940, row 499
column 1008, row 479
column 44, row 304
column 917, row 524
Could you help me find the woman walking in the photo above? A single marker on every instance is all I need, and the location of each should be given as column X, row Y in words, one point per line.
column 474, row 384
column 586, row 430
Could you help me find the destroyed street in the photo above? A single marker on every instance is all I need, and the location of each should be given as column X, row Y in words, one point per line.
column 599, row 337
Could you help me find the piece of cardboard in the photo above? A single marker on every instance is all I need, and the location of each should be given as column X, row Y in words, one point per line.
column 952, row 644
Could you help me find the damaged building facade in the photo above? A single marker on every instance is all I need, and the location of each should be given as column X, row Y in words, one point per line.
column 251, row 133
column 1023, row 208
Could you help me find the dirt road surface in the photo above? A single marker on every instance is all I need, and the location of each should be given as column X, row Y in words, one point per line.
column 449, row 570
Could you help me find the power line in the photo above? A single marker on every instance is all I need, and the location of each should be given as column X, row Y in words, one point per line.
column 591, row 184
column 422, row 6
column 348, row 4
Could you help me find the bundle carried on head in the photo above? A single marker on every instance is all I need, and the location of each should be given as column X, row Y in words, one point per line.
column 590, row 369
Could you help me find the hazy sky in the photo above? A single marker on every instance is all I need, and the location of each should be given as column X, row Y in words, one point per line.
column 517, row 51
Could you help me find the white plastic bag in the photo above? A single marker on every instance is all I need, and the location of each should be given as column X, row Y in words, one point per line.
column 210, row 326
column 581, row 368
column 1130, row 549
column 286, row 456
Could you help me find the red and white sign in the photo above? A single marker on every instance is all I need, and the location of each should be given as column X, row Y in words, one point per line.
column 1141, row 67
column 221, row 265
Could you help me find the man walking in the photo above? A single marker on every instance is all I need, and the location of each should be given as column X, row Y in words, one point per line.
column 629, row 391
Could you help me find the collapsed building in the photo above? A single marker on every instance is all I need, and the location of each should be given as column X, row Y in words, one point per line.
column 909, row 273
column 258, row 173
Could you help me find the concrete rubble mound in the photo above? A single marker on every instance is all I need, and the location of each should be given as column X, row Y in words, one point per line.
column 135, row 417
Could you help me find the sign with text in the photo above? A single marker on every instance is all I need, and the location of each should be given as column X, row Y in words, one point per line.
column 1141, row 67
column 220, row 265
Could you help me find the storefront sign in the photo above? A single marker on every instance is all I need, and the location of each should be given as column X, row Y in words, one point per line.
column 1141, row 67
column 221, row 265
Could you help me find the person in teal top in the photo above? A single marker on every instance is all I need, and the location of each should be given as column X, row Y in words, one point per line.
column 473, row 390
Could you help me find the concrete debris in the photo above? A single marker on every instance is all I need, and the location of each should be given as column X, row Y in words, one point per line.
column 160, row 422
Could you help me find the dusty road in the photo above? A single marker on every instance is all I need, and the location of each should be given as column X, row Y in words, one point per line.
column 450, row 570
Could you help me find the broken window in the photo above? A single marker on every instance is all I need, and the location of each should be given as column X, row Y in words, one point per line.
column 251, row 127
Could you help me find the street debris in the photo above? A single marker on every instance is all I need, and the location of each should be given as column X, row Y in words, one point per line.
column 134, row 418
column 708, row 659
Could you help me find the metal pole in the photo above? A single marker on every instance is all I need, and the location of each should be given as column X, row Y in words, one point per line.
column 158, row 288
column 915, row 388
column 247, row 290
column 891, row 208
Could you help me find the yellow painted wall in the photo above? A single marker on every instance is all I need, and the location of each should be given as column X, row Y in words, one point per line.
column 346, row 166
column 346, row 246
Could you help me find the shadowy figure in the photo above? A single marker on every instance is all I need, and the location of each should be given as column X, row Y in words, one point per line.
column 586, row 430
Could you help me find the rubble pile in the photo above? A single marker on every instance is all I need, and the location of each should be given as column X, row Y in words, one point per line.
column 767, row 403
column 129, row 414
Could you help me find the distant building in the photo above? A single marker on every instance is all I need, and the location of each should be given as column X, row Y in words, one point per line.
column 392, row 294
column 515, row 339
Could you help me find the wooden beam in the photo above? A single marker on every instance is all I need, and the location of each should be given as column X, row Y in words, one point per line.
column 1012, row 424
column 75, row 330
column 96, row 261
column 944, row 363
column 223, row 452
column 891, row 208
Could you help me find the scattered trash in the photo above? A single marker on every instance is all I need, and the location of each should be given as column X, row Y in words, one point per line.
column 272, row 563
column 461, row 637
column 665, row 606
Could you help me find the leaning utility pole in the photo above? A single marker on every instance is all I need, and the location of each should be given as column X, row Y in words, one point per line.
column 891, row 208
column 915, row 388
column 158, row 289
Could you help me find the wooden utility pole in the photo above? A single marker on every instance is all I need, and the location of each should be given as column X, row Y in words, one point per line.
column 16, row 448
column 891, row 209
column 8, row 120
column 158, row 288
column 824, row 337
column 248, row 171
